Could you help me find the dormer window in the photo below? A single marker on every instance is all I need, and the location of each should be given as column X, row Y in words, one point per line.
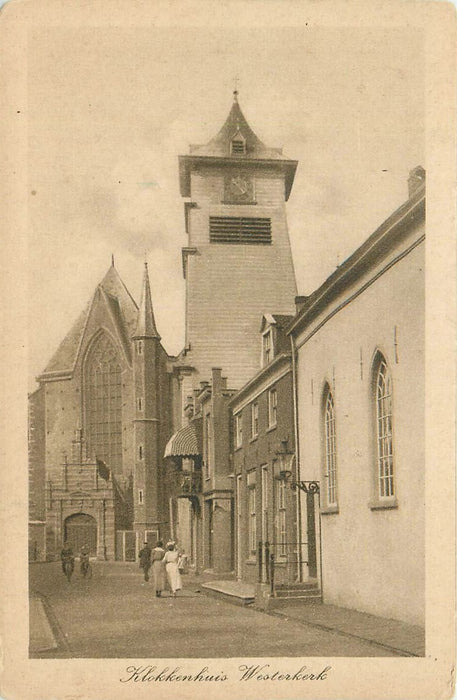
column 267, row 347
column 238, row 145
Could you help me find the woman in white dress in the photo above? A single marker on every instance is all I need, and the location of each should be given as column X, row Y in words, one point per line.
column 158, row 572
column 170, row 561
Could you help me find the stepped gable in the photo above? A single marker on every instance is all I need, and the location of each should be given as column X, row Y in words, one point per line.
column 124, row 312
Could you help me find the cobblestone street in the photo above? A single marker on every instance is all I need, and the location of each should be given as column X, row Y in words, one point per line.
column 115, row 614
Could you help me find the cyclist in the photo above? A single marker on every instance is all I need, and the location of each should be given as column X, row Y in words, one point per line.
column 68, row 560
column 84, row 561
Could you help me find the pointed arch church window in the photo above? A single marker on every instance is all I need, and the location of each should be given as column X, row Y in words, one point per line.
column 330, row 448
column 385, row 457
column 104, row 403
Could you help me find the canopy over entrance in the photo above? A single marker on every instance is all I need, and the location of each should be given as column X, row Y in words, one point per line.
column 184, row 443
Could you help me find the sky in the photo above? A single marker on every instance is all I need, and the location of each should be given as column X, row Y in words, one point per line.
column 110, row 110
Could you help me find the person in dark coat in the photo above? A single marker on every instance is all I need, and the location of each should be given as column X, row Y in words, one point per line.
column 145, row 560
column 67, row 558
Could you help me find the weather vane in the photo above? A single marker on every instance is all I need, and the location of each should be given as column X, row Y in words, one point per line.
column 236, row 81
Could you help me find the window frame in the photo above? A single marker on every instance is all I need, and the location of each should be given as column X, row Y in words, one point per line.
column 238, row 430
column 103, row 397
column 252, row 513
column 267, row 350
column 280, row 519
column 272, row 408
column 383, row 435
column 330, row 451
column 254, row 420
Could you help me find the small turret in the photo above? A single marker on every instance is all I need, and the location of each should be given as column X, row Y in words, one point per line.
column 146, row 325
column 146, row 367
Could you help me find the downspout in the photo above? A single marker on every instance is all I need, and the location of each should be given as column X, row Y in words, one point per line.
column 296, row 476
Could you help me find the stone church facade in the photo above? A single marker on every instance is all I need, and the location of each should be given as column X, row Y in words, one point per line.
column 100, row 420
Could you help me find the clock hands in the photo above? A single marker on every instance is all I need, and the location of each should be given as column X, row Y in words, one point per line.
column 241, row 184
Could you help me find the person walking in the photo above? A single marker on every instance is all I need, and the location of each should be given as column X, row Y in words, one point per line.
column 171, row 567
column 68, row 560
column 85, row 566
column 158, row 571
column 145, row 560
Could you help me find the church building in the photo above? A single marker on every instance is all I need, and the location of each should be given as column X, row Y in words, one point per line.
column 288, row 430
column 359, row 353
column 99, row 422
column 125, row 441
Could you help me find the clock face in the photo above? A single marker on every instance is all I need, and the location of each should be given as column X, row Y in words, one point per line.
column 239, row 187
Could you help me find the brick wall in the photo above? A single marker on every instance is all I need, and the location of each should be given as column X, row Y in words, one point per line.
column 228, row 286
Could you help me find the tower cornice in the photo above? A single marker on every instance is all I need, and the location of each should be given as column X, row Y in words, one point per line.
column 187, row 163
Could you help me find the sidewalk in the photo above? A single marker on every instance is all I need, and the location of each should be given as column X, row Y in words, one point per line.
column 398, row 636
column 41, row 635
column 392, row 634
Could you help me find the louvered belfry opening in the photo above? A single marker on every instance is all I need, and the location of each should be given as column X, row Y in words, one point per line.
column 240, row 229
column 238, row 147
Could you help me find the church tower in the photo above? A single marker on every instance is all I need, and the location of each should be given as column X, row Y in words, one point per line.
column 147, row 353
column 238, row 263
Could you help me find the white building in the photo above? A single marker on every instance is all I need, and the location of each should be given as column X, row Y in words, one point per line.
column 359, row 342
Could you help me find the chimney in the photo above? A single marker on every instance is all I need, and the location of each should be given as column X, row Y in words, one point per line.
column 300, row 302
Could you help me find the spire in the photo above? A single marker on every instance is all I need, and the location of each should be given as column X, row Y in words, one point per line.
column 146, row 325
column 235, row 124
column 112, row 259
column 226, row 145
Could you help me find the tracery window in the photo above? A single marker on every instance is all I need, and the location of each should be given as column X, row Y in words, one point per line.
column 330, row 449
column 385, row 457
column 104, row 403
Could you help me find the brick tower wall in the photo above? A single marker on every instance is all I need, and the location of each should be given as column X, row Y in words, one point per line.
column 230, row 286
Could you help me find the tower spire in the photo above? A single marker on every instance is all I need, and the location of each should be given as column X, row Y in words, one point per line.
column 146, row 325
column 235, row 90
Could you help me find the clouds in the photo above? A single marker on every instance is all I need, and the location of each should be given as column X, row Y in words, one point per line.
column 104, row 142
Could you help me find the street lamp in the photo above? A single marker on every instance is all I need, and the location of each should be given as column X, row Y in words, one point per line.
column 285, row 460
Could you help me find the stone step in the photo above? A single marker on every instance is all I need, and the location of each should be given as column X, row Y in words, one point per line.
column 303, row 586
column 231, row 591
column 297, row 593
column 305, row 599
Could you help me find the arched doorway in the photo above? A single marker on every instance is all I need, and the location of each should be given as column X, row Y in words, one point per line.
column 81, row 529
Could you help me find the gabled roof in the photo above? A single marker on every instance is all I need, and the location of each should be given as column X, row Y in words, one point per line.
column 218, row 150
column 146, row 325
column 123, row 311
column 112, row 284
column 374, row 249
column 278, row 320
